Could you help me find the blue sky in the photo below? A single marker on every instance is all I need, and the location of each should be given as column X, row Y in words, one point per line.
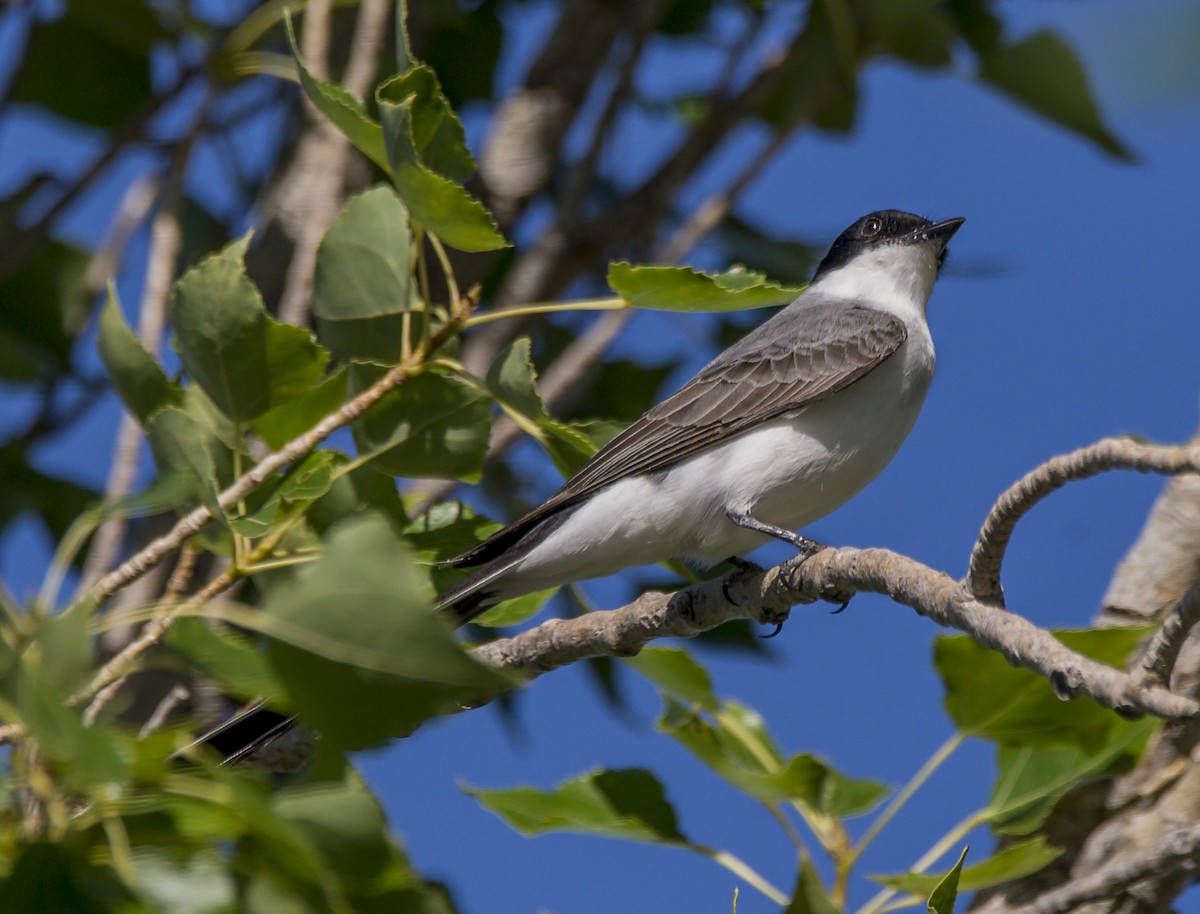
column 1068, row 313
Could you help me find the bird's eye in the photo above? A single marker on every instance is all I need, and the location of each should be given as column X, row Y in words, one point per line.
column 871, row 227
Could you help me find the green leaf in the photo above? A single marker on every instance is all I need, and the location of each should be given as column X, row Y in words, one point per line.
column 181, row 444
column 677, row 673
column 343, row 110
column 512, row 380
column 407, row 110
column 685, row 289
column 245, row 361
column 227, row 656
column 363, row 264
column 739, row 749
column 432, row 425
column 304, row 483
column 987, row 697
column 818, row 76
column 103, row 86
column 139, row 380
column 941, row 900
column 515, row 611
column 24, row 489
column 279, row 425
column 808, row 897
column 39, row 303
column 360, row 491
column 628, row 803
column 59, row 879
column 354, row 630
column 1043, row 74
column 200, row 884
column 1030, row 781
column 1014, row 862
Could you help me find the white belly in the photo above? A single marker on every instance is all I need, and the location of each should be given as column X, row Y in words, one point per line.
column 788, row 472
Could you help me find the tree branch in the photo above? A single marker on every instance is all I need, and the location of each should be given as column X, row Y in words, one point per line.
column 831, row 574
column 983, row 576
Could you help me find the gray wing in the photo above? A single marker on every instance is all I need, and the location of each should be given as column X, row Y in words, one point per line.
column 807, row 352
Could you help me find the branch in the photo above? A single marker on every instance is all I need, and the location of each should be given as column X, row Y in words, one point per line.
column 983, row 576
column 831, row 574
column 1156, row 664
column 1176, row 851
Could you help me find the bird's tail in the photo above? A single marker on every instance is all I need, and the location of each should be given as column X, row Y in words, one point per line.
column 473, row 595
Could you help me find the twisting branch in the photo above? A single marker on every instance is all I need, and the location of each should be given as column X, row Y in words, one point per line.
column 1154, row 668
column 1175, row 851
column 298, row 447
column 983, row 576
column 831, row 574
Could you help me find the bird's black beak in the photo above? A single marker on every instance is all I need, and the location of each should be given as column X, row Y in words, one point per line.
column 941, row 232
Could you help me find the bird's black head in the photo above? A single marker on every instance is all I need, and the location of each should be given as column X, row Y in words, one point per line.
column 887, row 227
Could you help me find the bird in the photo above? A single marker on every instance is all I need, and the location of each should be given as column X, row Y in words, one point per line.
column 776, row 432
column 773, row 434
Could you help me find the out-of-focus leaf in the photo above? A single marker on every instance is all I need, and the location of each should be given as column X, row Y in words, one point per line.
column 977, row 25
column 809, row 897
column 245, row 361
column 59, row 879
column 987, row 697
column 200, row 884
column 819, row 74
column 363, row 264
column 453, row 34
column 417, row 121
column 1030, row 781
column 227, row 656
column 24, row 489
column 353, row 630
column 790, row 262
column 684, row 289
column 739, row 750
column 343, row 110
column 432, row 425
column 677, row 673
column 87, row 756
column 139, row 380
column 40, row 303
column 105, row 82
column 1044, row 75
column 515, row 611
column 918, row 31
column 941, row 900
column 628, row 803
column 1013, row 862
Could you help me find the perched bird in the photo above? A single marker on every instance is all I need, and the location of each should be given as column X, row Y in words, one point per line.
column 774, row 433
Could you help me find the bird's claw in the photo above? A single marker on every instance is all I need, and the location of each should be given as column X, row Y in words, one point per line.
column 778, row 629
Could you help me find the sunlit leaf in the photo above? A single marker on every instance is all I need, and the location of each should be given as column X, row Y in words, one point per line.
column 1014, row 862
column 808, row 895
column 677, row 673
column 684, row 289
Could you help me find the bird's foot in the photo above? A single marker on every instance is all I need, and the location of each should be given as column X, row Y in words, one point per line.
column 807, row 548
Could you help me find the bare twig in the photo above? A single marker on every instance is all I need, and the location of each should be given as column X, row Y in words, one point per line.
column 833, row 573
column 173, row 699
column 298, row 447
column 983, row 576
column 1154, row 668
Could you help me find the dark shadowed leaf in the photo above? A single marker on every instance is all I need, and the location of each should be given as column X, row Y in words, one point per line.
column 1044, row 75
column 231, row 658
column 40, row 304
column 59, row 879
column 917, row 31
column 684, row 289
column 139, row 380
column 24, row 489
column 363, row 263
column 354, row 630
column 629, row 804
column 432, row 425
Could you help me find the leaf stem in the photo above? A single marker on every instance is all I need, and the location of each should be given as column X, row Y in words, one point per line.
column 742, row 869
column 584, row 304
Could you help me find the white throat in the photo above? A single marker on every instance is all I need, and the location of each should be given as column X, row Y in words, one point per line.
column 896, row 277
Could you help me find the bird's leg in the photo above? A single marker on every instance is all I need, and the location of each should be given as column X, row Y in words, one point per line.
column 808, row 548
column 803, row 543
